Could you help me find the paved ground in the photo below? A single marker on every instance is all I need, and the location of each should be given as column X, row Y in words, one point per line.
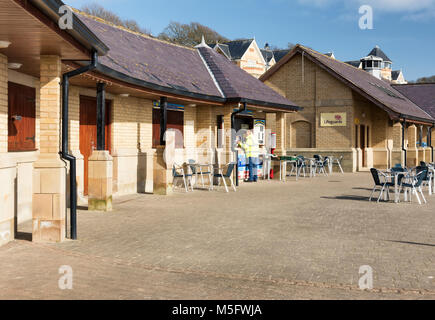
column 273, row 240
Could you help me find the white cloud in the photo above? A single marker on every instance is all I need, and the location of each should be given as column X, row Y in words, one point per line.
column 404, row 6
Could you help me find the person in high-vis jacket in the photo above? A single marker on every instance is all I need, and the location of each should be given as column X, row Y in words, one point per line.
column 251, row 150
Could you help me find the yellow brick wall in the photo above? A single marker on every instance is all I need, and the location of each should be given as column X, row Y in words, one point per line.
column 3, row 103
column 312, row 88
column 190, row 127
column 50, row 104
column 131, row 123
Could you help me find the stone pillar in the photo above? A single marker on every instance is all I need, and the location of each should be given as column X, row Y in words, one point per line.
column 163, row 179
column 163, row 164
column 7, row 199
column 412, row 151
column 49, row 203
column 280, row 150
column 397, row 155
column 149, row 170
column 3, row 103
column 100, row 181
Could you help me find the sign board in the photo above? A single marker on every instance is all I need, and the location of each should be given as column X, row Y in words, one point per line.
column 338, row 119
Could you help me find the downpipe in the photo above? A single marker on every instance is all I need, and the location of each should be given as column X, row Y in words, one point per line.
column 64, row 151
column 403, row 139
column 430, row 141
column 233, row 138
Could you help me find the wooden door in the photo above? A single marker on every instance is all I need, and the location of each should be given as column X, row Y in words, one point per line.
column 21, row 117
column 88, row 131
column 175, row 121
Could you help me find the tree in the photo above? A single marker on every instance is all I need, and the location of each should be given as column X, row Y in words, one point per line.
column 99, row 11
column 190, row 34
column 426, row 80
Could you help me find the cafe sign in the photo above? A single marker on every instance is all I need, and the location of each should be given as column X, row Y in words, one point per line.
column 337, row 119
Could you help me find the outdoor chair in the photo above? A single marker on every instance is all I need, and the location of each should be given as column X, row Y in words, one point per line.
column 194, row 168
column 227, row 175
column 415, row 184
column 321, row 164
column 301, row 165
column 178, row 173
column 378, row 184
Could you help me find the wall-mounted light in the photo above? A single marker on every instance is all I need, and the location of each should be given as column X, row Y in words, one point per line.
column 191, row 105
column 14, row 65
column 363, row 115
column 124, row 95
column 4, row 44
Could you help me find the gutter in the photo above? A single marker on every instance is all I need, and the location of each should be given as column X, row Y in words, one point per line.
column 79, row 31
column 148, row 85
column 429, row 137
column 403, row 139
column 233, row 138
column 65, row 134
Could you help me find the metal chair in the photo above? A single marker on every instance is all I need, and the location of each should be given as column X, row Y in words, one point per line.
column 178, row 172
column 228, row 175
column 415, row 184
column 376, row 178
column 193, row 166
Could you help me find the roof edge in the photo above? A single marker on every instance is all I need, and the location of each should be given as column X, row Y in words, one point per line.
column 80, row 32
column 148, row 85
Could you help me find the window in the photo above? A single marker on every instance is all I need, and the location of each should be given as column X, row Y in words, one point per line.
column 175, row 122
column 369, row 64
column 21, row 117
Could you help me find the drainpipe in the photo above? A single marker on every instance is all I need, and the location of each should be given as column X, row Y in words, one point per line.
column 403, row 138
column 233, row 138
column 64, row 153
column 429, row 138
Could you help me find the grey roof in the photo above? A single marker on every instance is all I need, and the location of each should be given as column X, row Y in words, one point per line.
column 168, row 66
column 422, row 94
column 355, row 63
column 395, row 74
column 238, row 47
column 279, row 54
column 152, row 61
column 377, row 52
column 224, row 47
column 237, row 83
column 267, row 54
column 378, row 91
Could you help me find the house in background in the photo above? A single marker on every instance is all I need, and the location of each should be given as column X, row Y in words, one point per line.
column 246, row 54
column 378, row 64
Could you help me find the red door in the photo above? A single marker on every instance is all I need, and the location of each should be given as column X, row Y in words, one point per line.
column 21, row 117
column 175, row 121
column 88, row 131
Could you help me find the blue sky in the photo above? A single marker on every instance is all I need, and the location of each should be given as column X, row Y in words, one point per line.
column 404, row 29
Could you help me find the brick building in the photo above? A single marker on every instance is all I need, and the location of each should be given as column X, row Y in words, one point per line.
column 84, row 113
column 349, row 112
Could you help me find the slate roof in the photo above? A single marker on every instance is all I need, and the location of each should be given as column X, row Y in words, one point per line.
column 377, row 52
column 378, row 91
column 158, row 63
column 267, row 54
column 395, row 74
column 237, row 83
column 422, row 94
column 279, row 54
column 355, row 63
column 152, row 61
column 224, row 47
column 238, row 47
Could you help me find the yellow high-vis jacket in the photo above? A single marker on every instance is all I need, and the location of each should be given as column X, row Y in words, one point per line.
column 250, row 147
